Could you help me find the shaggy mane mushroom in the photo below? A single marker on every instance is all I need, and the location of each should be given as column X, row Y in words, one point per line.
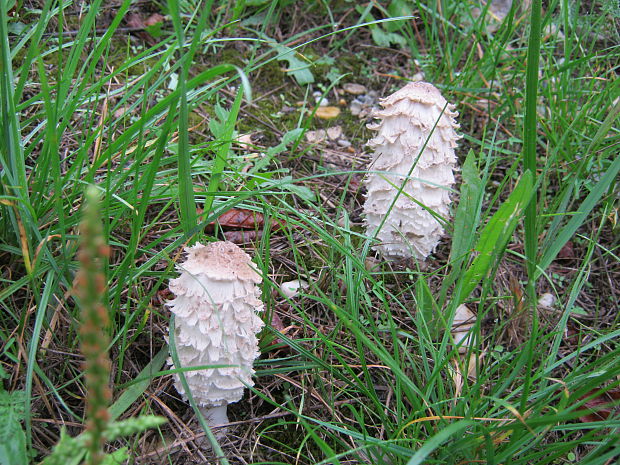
column 416, row 136
column 216, row 322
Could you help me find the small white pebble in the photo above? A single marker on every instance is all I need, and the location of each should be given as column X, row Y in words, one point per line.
column 290, row 289
column 356, row 107
column 319, row 99
column 547, row 300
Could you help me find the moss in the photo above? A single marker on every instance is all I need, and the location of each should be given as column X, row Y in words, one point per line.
column 196, row 121
column 281, row 108
column 231, row 56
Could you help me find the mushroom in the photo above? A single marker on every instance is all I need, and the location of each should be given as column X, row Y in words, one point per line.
column 216, row 322
column 415, row 146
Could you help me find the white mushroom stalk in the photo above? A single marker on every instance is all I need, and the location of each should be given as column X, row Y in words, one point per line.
column 415, row 146
column 216, row 322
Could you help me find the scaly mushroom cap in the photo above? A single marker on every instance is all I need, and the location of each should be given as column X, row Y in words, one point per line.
column 416, row 127
column 216, row 304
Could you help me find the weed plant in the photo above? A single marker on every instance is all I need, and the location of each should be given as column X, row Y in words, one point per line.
column 366, row 370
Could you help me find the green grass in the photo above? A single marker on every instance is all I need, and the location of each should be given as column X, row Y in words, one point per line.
column 367, row 371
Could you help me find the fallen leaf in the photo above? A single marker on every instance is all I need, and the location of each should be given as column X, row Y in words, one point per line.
column 355, row 89
column 475, row 363
column 134, row 20
column 238, row 218
column 154, row 19
column 276, row 322
column 139, row 26
column 334, row 132
column 278, row 325
column 327, row 112
column 567, row 252
column 120, row 112
column 602, row 405
column 245, row 141
column 316, row 137
column 241, row 237
column 241, row 225
column 462, row 324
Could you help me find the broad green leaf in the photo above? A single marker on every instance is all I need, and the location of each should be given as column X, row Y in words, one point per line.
column 287, row 139
column 428, row 310
column 134, row 391
column 467, row 213
column 301, row 191
column 221, row 156
column 496, row 234
column 297, row 68
column 13, row 450
column 385, row 39
column 118, row 456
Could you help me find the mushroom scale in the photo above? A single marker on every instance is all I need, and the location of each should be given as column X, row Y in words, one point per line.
column 416, row 128
column 215, row 306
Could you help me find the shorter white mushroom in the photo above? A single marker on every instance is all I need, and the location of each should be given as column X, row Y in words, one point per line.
column 216, row 322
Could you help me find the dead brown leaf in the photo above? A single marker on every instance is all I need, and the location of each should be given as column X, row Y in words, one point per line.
column 602, row 405
column 567, row 252
column 238, row 218
column 139, row 25
column 241, row 225
column 241, row 237
column 154, row 19
column 134, row 21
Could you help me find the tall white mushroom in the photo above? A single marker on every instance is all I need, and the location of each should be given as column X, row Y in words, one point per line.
column 416, row 138
column 216, row 322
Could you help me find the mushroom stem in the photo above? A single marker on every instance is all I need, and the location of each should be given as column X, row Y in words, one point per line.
column 215, row 416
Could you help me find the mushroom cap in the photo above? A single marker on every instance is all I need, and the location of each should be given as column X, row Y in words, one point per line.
column 222, row 260
column 423, row 92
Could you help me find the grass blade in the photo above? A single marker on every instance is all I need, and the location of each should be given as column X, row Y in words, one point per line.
column 530, row 139
column 436, row 441
column 222, row 152
column 578, row 218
